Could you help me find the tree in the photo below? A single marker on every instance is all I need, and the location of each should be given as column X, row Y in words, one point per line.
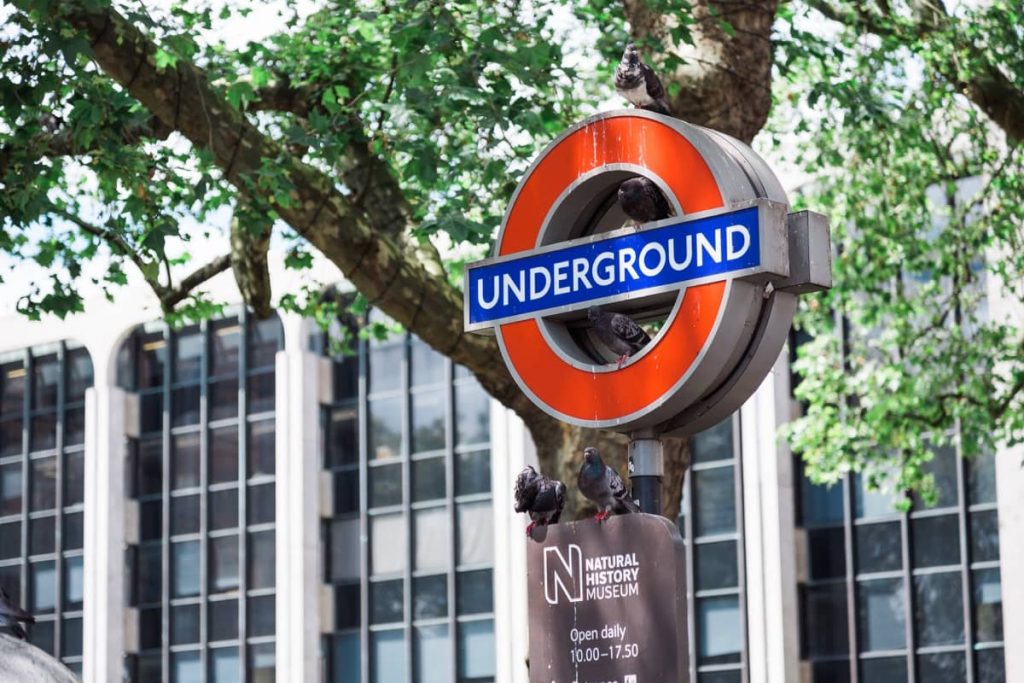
column 373, row 132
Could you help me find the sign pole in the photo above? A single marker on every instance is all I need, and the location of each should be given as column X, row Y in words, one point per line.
column 646, row 468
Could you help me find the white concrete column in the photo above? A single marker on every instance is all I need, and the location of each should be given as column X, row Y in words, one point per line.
column 104, row 602
column 298, row 556
column 768, row 519
column 512, row 449
column 1010, row 494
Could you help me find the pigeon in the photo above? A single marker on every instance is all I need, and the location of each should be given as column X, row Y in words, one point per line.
column 604, row 486
column 638, row 83
column 642, row 201
column 618, row 332
column 540, row 496
column 11, row 614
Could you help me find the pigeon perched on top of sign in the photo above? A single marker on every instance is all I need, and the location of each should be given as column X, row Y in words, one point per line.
column 642, row 201
column 618, row 332
column 11, row 614
column 540, row 496
column 638, row 83
column 604, row 486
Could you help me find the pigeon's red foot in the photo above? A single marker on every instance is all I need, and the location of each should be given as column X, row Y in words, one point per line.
column 529, row 529
column 622, row 361
column 602, row 515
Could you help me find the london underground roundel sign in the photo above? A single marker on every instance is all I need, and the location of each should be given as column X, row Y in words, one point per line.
column 721, row 275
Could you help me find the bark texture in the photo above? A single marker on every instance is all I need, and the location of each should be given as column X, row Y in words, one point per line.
column 726, row 81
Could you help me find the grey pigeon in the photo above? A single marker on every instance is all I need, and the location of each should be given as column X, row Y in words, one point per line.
column 604, row 486
column 11, row 614
column 638, row 83
column 618, row 332
column 642, row 201
column 542, row 497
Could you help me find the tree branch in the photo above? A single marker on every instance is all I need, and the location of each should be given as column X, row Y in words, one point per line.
column 173, row 296
column 378, row 265
column 968, row 68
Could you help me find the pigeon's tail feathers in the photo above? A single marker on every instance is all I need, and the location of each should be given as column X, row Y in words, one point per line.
column 627, row 504
column 17, row 631
column 526, row 489
column 10, row 610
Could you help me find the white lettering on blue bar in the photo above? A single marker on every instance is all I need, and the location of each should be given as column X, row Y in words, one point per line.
column 625, row 264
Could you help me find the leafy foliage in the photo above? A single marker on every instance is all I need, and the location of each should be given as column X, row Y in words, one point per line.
column 923, row 194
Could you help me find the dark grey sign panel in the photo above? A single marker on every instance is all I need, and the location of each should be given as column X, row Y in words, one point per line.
column 607, row 602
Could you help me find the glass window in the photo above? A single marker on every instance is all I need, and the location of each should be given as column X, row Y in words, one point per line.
column 261, row 564
column 10, row 437
column 185, row 667
column 10, row 489
column 224, row 399
column 938, row 620
column 261, row 394
column 262, row 663
column 427, row 364
column 385, row 485
column 151, row 520
column 984, row 536
column 188, row 355
column 942, row 546
column 476, row 536
column 266, row 338
column 716, row 565
column 472, row 473
column 43, row 587
column 346, row 492
column 261, row 615
column 388, row 541
column 827, row 552
column 341, row 445
column 825, row 620
column 12, row 400
column 880, row 614
column 385, row 419
column 714, row 494
column 223, row 509
column 151, row 409
column 224, row 665
column 991, row 665
column 476, row 649
column 46, row 377
column 428, row 479
column 475, row 591
column 713, row 444
column 981, row 479
column 387, row 657
column 821, row 505
column 185, row 405
column 260, row 508
column 72, row 531
column 472, row 413
column 347, row 607
column 884, row 670
column 10, row 540
column 943, row 468
column 872, row 502
column 185, row 568
column 74, row 426
column 184, row 624
column 149, row 461
column 877, row 548
column 43, row 484
column 71, row 634
column 42, row 537
column 386, row 602
column 718, row 630
column 225, row 338
column 430, row 597
column 79, row 374
column 261, row 447
column 432, row 538
column 223, row 454
column 223, row 615
column 44, row 433
column 185, row 515
column 386, row 367
column 150, row 628
column 942, row 667
column 74, row 477
column 148, row 573
column 223, row 563
column 987, row 601
column 185, row 460
column 433, row 665
column 344, row 556
column 428, row 410
column 151, row 357
column 345, row 658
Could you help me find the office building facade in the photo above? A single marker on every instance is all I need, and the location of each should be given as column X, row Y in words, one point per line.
column 235, row 501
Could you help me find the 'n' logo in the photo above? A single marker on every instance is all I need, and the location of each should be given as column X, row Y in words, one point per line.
column 561, row 574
